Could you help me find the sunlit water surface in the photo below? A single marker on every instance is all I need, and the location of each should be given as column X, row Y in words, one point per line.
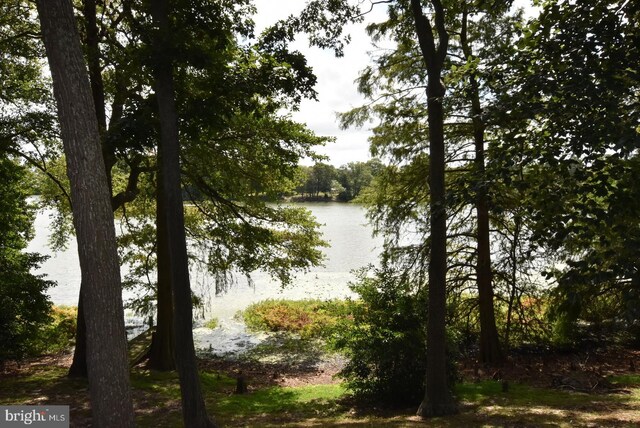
column 344, row 227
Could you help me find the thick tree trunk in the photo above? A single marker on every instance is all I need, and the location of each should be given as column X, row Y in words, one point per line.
column 438, row 399
column 107, row 357
column 161, row 355
column 92, row 46
column 193, row 408
column 490, row 350
column 79, row 365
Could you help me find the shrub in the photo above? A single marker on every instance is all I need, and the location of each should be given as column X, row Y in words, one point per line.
column 25, row 306
column 308, row 318
column 60, row 333
column 212, row 323
column 385, row 342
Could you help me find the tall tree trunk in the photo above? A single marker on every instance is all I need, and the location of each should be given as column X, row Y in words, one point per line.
column 92, row 44
column 79, row 364
column 490, row 349
column 438, row 399
column 92, row 40
column 193, row 408
column 161, row 354
column 107, row 357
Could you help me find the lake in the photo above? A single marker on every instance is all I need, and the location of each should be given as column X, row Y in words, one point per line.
column 344, row 227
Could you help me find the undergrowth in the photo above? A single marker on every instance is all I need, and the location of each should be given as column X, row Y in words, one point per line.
column 308, row 318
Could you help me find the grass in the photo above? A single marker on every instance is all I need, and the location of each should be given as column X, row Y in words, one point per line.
column 157, row 397
column 299, row 402
column 40, row 383
column 626, row 380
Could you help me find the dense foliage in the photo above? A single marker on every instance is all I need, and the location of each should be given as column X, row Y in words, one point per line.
column 346, row 183
column 25, row 305
column 575, row 142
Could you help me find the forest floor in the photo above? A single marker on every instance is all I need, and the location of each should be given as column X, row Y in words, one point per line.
column 292, row 383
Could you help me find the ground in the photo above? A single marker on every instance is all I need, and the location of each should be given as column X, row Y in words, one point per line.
column 289, row 387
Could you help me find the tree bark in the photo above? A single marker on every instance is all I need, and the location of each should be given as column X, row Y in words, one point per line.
column 107, row 358
column 193, row 408
column 161, row 354
column 438, row 399
column 164, row 335
column 490, row 349
column 79, row 364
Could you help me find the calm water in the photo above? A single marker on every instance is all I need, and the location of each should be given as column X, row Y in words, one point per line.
column 351, row 247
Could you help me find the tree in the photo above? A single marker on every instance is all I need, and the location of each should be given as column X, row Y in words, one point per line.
column 107, row 356
column 438, row 399
column 232, row 185
column 577, row 137
column 193, row 408
column 356, row 176
column 490, row 349
column 25, row 305
column 319, row 179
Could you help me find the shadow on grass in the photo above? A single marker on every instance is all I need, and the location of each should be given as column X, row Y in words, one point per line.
column 48, row 385
column 41, row 384
column 157, row 397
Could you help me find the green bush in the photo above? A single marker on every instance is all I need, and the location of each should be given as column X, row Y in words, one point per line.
column 385, row 341
column 212, row 323
column 308, row 318
column 24, row 306
column 59, row 335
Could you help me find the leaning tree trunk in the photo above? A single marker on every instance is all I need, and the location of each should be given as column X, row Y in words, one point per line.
column 107, row 357
column 92, row 44
column 193, row 408
column 438, row 399
column 79, row 365
column 490, row 349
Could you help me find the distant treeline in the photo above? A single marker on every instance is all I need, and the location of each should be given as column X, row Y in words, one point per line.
column 326, row 182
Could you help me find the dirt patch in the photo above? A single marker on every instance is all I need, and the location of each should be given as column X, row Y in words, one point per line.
column 585, row 371
column 14, row 368
column 260, row 374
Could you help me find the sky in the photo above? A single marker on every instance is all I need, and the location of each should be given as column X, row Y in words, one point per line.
column 336, row 80
column 336, row 88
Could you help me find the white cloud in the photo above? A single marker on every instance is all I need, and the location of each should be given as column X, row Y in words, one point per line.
column 336, row 88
